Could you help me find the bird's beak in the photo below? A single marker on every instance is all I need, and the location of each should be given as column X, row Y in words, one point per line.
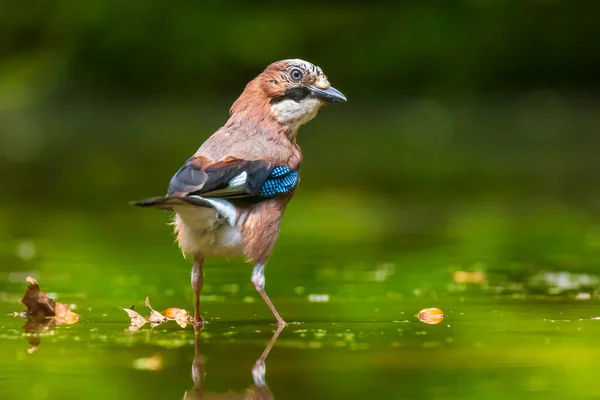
column 330, row 95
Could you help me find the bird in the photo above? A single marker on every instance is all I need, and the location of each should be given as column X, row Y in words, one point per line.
column 229, row 198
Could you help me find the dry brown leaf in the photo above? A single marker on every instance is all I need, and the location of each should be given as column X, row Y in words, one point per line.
column 40, row 306
column 64, row 315
column 43, row 314
column 137, row 321
column 469, row 277
column 154, row 317
column 171, row 313
column 183, row 318
column 431, row 316
column 179, row 315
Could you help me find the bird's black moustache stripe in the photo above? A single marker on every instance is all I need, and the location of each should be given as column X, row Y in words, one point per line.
column 295, row 93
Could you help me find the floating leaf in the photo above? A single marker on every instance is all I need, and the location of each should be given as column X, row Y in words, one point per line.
column 431, row 316
column 155, row 317
column 183, row 318
column 180, row 316
column 40, row 306
column 43, row 314
column 137, row 321
column 477, row 277
column 172, row 313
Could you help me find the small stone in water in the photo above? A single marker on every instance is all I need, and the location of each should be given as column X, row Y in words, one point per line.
column 583, row 296
column 431, row 316
column 318, row 298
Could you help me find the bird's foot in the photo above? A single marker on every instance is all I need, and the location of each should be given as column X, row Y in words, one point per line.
column 198, row 321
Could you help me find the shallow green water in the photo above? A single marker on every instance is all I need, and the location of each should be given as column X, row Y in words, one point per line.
column 499, row 230
column 484, row 348
column 350, row 298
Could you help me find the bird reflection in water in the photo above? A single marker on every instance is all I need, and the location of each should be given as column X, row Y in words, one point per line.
column 259, row 391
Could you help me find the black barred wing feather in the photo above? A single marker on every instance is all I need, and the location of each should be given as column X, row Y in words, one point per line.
column 232, row 178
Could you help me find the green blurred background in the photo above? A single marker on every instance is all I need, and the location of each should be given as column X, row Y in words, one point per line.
column 466, row 120
column 469, row 143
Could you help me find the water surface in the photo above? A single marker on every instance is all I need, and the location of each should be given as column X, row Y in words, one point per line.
column 351, row 304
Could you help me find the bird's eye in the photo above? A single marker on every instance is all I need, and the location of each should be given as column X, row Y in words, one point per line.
column 296, row 75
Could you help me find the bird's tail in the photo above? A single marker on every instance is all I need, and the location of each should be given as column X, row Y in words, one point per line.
column 169, row 202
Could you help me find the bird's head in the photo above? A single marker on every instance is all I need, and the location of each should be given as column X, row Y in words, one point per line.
column 289, row 92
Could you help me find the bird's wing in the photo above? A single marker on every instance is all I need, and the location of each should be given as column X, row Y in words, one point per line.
column 232, row 178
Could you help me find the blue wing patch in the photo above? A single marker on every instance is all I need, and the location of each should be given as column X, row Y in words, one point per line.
column 281, row 180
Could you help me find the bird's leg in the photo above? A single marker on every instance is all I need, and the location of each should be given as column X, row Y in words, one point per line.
column 258, row 279
column 197, row 281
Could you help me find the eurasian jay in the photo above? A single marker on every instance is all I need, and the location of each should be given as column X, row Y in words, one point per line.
column 229, row 198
